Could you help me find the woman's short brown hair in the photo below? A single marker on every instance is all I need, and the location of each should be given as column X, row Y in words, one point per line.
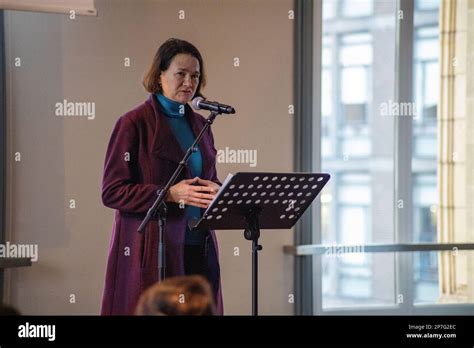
column 183, row 295
column 162, row 60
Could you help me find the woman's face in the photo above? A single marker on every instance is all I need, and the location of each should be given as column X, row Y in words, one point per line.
column 180, row 81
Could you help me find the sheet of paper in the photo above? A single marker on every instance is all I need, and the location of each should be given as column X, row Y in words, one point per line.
column 224, row 184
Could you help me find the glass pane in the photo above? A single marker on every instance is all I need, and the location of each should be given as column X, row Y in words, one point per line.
column 427, row 276
column 424, row 223
column 326, row 106
column 329, row 9
column 357, row 147
column 426, row 48
column 423, row 5
column 431, row 92
column 355, row 54
column 354, row 85
column 351, row 283
column 356, row 8
column 424, row 162
column 357, row 150
column 426, row 283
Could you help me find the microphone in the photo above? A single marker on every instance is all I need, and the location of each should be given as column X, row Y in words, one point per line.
column 200, row 103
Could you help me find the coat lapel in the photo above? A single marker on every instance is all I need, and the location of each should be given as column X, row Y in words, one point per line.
column 165, row 144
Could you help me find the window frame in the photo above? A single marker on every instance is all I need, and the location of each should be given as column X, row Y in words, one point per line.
column 3, row 149
column 308, row 157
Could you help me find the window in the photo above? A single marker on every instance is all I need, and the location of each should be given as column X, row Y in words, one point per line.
column 425, row 148
column 357, row 142
column 347, row 278
column 346, row 92
column 357, row 149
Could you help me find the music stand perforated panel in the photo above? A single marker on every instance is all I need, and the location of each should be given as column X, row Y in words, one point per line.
column 281, row 197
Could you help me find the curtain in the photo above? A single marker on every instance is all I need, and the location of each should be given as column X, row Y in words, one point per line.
column 453, row 162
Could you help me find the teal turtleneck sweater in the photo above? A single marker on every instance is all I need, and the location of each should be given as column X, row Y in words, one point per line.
column 175, row 115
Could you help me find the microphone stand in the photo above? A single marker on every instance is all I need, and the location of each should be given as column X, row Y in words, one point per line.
column 159, row 206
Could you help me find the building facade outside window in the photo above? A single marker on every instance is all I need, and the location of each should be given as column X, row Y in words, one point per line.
column 357, row 148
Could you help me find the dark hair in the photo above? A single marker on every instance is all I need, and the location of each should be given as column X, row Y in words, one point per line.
column 183, row 295
column 162, row 60
column 8, row 310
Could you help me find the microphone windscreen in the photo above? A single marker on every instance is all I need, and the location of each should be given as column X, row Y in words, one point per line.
column 195, row 103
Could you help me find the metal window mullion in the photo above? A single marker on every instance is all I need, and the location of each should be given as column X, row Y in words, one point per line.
column 303, row 140
column 316, row 118
column 403, row 152
column 2, row 142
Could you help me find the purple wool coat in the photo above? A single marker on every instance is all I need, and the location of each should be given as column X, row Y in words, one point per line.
column 141, row 156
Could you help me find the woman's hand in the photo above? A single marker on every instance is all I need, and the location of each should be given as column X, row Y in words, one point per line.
column 196, row 192
column 208, row 183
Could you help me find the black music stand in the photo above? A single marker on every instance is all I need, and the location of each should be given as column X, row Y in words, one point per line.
column 251, row 201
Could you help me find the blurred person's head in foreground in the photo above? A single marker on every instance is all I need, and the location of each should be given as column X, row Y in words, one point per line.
column 8, row 310
column 183, row 295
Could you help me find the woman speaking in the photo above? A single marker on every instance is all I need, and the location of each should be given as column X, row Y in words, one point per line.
column 145, row 148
